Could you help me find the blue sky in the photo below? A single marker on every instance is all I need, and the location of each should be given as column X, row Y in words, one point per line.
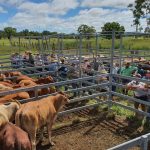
column 64, row 15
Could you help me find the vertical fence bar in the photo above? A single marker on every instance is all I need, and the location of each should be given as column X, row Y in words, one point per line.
column 11, row 45
column 39, row 46
column 42, row 52
column 144, row 145
column 96, row 45
column 49, row 45
column 62, row 44
column 77, row 46
column 111, row 68
column 80, row 57
column 30, row 44
column 36, row 92
column 58, row 47
column 19, row 62
column 120, row 50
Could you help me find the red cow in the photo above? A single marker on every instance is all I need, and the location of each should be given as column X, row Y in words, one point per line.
column 46, row 80
column 17, row 96
column 13, row 138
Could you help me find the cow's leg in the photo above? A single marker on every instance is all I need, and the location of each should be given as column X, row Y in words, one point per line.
column 32, row 136
column 49, row 128
column 41, row 135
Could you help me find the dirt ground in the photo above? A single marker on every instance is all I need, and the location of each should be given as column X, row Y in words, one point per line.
column 96, row 133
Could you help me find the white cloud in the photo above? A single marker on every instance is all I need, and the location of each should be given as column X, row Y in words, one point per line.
column 2, row 10
column 23, row 20
column 35, row 8
column 62, row 6
column 55, row 7
column 96, row 17
column 12, row 2
column 106, row 3
column 3, row 25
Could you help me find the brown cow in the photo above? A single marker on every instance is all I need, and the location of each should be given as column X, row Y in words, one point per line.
column 7, row 83
column 7, row 74
column 2, row 77
column 29, row 83
column 4, row 88
column 34, row 115
column 17, row 96
column 23, row 77
column 43, row 91
column 15, row 73
column 45, row 80
column 12, row 74
column 13, row 138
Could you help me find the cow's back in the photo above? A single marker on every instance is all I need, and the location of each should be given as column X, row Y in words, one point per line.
column 34, row 113
column 14, row 138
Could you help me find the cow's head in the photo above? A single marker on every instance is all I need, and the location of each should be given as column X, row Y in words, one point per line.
column 46, row 80
column 60, row 100
column 15, row 73
column 64, row 94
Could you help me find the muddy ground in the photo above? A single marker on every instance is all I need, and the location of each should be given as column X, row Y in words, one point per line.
column 92, row 133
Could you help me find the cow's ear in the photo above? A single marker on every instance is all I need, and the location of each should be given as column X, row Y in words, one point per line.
column 6, row 104
column 64, row 94
column 60, row 92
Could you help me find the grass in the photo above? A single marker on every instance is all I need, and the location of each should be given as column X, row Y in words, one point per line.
column 128, row 43
column 116, row 109
column 71, row 46
column 122, row 111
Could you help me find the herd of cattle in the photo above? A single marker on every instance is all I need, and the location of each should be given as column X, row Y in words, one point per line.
column 30, row 117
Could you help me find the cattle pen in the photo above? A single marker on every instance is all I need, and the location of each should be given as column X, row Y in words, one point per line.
column 88, row 87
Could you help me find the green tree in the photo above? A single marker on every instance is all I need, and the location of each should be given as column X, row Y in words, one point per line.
column 2, row 34
column 25, row 32
column 147, row 30
column 45, row 32
column 140, row 29
column 9, row 31
column 110, row 26
column 141, row 8
column 85, row 29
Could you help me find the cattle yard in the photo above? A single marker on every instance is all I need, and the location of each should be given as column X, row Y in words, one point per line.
column 88, row 121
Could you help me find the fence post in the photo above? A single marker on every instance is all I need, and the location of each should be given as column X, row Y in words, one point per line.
column 30, row 44
column 121, row 48
column 80, row 57
column 111, row 68
column 77, row 45
column 144, row 145
column 49, row 45
column 19, row 53
column 96, row 45
column 62, row 44
column 36, row 92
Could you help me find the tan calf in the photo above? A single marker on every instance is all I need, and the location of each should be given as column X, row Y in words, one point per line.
column 33, row 116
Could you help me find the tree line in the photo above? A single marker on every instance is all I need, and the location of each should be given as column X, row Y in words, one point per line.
column 82, row 29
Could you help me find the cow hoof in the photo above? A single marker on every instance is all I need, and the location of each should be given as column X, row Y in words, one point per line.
column 52, row 143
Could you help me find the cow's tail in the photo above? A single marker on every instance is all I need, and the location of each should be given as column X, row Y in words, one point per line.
column 18, row 119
